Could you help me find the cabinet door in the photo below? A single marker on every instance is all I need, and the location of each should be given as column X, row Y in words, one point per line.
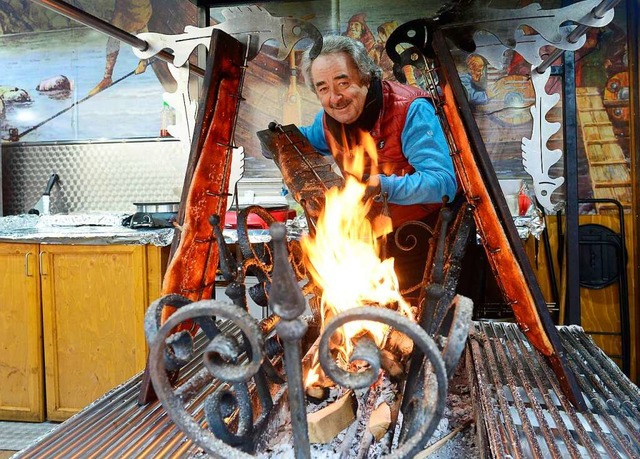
column 93, row 302
column 21, row 366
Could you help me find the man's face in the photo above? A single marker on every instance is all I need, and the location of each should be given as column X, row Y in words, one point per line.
column 476, row 68
column 355, row 30
column 339, row 87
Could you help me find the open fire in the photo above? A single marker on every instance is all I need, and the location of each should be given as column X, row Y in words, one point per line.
column 343, row 258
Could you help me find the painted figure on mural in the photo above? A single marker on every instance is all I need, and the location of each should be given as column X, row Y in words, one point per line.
column 378, row 53
column 602, row 63
column 474, row 80
column 600, row 57
column 358, row 29
column 131, row 16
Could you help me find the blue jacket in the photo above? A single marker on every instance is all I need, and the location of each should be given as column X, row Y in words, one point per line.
column 426, row 149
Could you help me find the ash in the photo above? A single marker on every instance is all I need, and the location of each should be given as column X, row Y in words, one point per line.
column 458, row 414
column 355, row 442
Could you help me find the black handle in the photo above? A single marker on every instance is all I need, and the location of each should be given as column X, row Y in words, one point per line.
column 52, row 181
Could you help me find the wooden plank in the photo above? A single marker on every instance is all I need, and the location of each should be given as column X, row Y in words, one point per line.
column 612, row 184
column 608, row 167
column 505, row 253
column 606, row 163
column 194, row 256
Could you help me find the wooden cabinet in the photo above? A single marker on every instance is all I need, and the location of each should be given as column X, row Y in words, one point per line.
column 84, row 323
column 21, row 358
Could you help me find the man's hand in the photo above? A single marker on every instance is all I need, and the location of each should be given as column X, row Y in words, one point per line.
column 373, row 189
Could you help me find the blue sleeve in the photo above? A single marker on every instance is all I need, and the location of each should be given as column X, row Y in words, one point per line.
column 425, row 147
column 315, row 134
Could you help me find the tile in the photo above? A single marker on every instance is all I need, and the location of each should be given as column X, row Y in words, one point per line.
column 15, row 436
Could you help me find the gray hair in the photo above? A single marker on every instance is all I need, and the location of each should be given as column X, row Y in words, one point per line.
column 333, row 44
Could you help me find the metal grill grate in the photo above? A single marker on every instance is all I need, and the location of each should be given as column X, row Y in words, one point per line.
column 522, row 413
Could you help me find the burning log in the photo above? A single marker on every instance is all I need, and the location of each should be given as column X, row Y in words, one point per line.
column 399, row 344
column 396, row 352
column 329, row 421
column 316, row 393
column 391, row 365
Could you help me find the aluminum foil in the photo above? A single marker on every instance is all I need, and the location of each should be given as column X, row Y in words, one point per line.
column 530, row 224
column 79, row 229
column 107, row 228
column 296, row 228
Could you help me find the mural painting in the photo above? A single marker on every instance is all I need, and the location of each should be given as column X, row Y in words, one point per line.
column 501, row 98
column 63, row 81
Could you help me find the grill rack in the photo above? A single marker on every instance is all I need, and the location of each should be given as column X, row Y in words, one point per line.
column 521, row 411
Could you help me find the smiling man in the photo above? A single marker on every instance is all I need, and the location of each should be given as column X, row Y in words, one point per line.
column 414, row 170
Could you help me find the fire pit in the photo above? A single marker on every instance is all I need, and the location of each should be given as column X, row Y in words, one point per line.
column 256, row 406
column 246, row 411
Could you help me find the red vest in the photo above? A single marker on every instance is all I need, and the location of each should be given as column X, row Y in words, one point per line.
column 386, row 134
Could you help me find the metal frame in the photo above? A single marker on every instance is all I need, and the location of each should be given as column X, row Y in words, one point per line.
column 633, row 29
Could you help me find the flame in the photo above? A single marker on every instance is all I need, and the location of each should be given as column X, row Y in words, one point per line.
column 359, row 157
column 343, row 257
column 313, row 375
column 344, row 260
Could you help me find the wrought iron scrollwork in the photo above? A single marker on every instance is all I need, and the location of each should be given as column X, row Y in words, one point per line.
column 180, row 344
column 257, row 259
column 432, row 405
column 406, row 240
column 226, row 358
column 241, row 362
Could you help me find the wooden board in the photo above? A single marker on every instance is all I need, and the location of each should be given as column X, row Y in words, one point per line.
column 194, row 252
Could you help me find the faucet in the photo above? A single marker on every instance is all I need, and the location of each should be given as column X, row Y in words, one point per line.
column 43, row 206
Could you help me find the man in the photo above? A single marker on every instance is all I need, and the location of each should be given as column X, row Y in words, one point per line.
column 475, row 81
column 413, row 155
column 130, row 16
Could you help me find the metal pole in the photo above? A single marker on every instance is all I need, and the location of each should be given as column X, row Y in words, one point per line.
column 572, row 314
column 598, row 13
column 102, row 26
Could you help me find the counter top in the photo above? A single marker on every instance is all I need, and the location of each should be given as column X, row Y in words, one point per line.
column 89, row 229
column 99, row 229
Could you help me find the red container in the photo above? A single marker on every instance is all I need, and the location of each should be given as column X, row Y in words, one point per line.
column 280, row 214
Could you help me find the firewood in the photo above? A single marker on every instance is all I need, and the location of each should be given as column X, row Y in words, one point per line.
column 316, row 393
column 329, row 421
column 440, row 443
column 380, row 421
column 399, row 343
column 391, row 365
